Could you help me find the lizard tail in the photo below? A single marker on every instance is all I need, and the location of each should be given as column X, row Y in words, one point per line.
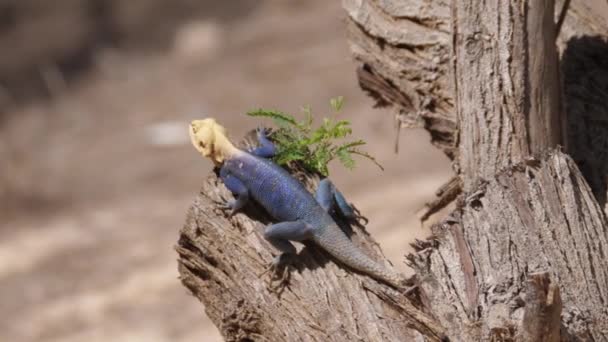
column 335, row 242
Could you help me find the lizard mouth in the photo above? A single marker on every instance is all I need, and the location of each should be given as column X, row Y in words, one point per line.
column 198, row 144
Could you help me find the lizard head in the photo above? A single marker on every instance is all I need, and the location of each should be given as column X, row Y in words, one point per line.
column 209, row 138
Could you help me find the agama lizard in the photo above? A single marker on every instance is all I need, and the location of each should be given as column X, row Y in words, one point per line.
column 250, row 174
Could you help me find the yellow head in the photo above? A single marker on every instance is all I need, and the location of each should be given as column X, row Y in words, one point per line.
column 209, row 138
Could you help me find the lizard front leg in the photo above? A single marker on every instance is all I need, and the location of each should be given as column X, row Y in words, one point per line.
column 266, row 149
column 238, row 189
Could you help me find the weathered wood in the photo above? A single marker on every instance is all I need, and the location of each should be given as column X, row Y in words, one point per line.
column 506, row 84
column 475, row 268
column 446, row 194
column 476, row 272
column 404, row 50
column 520, row 216
column 543, row 307
column 527, row 219
column 221, row 260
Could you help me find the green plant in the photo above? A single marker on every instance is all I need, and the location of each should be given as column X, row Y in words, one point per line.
column 313, row 148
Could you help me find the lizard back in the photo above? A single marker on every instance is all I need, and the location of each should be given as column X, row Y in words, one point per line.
column 283, row 196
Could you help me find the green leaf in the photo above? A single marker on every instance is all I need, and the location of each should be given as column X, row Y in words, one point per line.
column 314, row 149
column 337, row 103
column 280, row 119
column 346, row 159
column 290, row 156
column 305, row 125
column 368, row 156
column 350, row 145
column 341, row 129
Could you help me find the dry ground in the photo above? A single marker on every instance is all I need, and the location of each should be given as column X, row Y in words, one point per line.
column 103, row 174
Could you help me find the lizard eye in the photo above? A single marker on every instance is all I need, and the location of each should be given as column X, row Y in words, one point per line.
column 201, row 144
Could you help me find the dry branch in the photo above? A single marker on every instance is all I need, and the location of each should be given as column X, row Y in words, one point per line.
column 446, row 194
column 220, row 262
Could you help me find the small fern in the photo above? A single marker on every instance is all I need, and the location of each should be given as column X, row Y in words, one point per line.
column 313, row 148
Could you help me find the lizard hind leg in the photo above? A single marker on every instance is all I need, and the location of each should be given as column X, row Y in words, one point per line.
column 329, row 197
column 237, row 188
column 325, row 194
column 280, row 235
column 266, row 149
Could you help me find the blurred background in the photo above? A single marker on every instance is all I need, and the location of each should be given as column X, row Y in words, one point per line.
column 97, row 171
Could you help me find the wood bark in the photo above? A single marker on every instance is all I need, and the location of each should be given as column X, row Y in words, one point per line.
column 522, row 258
column 536, row 217
column 506, row 84
column 404, row 49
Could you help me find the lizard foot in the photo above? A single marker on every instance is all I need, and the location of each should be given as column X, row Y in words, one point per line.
column 280, row 269
column 227, row 206
column 262, row 132
column 357, row 218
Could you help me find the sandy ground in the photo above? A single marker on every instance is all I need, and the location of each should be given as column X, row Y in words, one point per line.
column 107, row 163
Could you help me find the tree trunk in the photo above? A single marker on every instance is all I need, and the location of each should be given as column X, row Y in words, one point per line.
column 521, row 258
column 404, row 47
column 506, row 85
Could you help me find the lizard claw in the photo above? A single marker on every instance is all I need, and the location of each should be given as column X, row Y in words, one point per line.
column 280, row 269
column 357, row 218
column 261, row 131
column 227, row 206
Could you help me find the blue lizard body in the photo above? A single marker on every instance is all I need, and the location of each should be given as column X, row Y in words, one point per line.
column 283, row 197
column 301, row 216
